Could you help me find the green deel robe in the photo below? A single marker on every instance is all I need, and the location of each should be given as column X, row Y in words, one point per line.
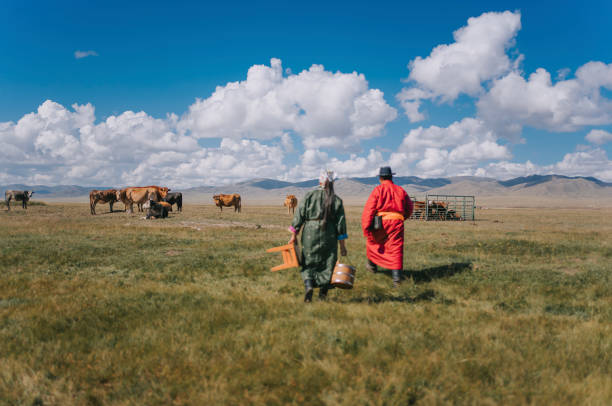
column 319, row 245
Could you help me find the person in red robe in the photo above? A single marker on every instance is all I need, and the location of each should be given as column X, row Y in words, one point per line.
column 385, row 246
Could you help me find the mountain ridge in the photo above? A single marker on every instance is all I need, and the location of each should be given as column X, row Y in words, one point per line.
column 536, row 185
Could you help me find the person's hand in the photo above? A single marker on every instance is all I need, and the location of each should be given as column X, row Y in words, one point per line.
column 343, row 251
column 292, row 240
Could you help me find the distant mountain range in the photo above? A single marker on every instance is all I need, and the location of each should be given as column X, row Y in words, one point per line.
column 261, row 189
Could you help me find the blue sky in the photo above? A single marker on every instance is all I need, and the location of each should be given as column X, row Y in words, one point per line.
column 158, row 58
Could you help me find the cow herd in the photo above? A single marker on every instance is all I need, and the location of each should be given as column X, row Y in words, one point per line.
column 135, row 195
column 156, row 200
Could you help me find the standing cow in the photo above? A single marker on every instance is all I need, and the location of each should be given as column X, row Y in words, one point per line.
column 18, row 195
column 140, row 195
column 291, row 202
column 175, row 198
column 109, row 196
column 228, row 201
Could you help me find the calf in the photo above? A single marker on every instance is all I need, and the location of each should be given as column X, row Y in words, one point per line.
column 18, row 195
column 155, row 210
column 175, row 198
column 291, row 202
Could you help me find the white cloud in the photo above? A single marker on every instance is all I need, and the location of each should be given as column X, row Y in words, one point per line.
column 84, row 54
column 599, row 137
column 592, row 162
column 565, row 106
column 327, row 110
column 454, row 150
column 477, row 55
column 56, row 145
column 313, row 160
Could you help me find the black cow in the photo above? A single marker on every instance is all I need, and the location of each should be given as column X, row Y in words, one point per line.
column 18, row 195
column 175, row 198
column 155, row 210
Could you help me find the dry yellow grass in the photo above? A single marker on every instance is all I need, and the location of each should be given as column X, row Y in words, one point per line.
column 515, row 308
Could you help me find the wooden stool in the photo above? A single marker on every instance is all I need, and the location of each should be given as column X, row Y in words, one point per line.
column 289, row 257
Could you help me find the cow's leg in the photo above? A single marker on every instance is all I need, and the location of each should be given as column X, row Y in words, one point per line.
column 111, row 206
column 8, row 204
column 131, row 208
column 24, row 204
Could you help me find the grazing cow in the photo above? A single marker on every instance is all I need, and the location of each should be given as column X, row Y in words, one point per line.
column 228, row 201
column 419, row 210
column 291, row 202
column 155, row 209
column 175, row 198
column 109, row 196
column 140, row 195
column 19, row 195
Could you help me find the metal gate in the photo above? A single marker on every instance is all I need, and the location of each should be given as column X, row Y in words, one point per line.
column 444, row 208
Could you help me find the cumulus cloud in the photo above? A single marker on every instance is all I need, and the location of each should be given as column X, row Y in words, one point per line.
column 479, row 54
column 68, row 147
column 599, row 137
column 327, row 110
column 591, row 162
column 313, row 160
column 56, row 145
column 84, row 54
column 454, row 150
column 567, row 105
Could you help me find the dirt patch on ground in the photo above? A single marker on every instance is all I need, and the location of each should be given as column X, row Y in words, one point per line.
column 199, row 225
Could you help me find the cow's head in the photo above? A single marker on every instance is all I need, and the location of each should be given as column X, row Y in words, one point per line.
column 216, row 197
column 29, row 194
column 117, row 194
column 163, row 191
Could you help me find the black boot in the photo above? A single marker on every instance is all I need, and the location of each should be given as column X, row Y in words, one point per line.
column 397, row 276
column 309, row 290
column 371, row 266
column 323, row 292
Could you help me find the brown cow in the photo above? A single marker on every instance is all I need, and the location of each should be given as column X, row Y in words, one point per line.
column 291, row 202
column 140, row 195
column 228, row 200
column 419, row 210
column 109, row 196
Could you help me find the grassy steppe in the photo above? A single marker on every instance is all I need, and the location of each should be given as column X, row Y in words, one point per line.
column 515, row 308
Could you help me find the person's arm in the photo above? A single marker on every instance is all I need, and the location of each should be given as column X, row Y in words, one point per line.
column 408, row 207
column 341, row 227
column 369, row 211
column 298, row 220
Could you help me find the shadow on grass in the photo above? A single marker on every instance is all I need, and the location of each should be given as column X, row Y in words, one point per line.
column 429, row 274
column 426, row 296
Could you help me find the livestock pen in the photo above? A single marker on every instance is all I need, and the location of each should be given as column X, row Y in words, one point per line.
column 444, row 207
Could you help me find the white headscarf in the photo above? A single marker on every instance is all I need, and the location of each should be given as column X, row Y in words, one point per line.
column 327, row 176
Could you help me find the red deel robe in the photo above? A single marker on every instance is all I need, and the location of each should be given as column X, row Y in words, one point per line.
column 386, row 247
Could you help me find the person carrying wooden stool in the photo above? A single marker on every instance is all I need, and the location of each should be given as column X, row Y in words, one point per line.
column 320, row 217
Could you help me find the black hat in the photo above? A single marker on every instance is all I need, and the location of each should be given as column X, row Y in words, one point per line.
column 385, row 171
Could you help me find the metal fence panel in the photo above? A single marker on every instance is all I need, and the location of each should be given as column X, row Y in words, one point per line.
column 444, row 208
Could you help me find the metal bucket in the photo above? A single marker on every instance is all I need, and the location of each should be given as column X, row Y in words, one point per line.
column 343, row 276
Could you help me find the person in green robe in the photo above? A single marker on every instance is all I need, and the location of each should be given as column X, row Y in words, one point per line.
column 320, row 217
